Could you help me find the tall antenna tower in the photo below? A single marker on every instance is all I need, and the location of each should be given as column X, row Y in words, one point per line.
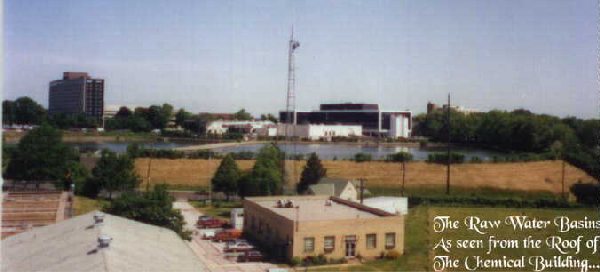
column 290, row 105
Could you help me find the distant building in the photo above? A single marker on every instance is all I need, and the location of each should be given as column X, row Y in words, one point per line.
column 431, row 107
column 116, row 244
column 373, row 120
column 220, row 127
column 319, row 131
column 77, row 93
column 342, row 188
column 300, row 226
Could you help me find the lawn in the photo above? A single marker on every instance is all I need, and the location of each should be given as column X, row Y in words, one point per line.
column 219, row 209
column 83, row 205
column 420, row 237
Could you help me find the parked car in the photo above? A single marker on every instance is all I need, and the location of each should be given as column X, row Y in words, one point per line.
column 209, row 223
column 227, row 235
column 208, row 234
column 238, row 246
column 251, row 256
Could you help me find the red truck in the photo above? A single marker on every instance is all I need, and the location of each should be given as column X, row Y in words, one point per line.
column 227, row 235
column 207, row 222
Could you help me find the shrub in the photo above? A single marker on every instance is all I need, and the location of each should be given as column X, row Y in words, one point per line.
column 476, row 159
column 443, row 157
column 399, row 157
column 392, row 254
column 295, row 261
column 587, row 194
column 362, row 157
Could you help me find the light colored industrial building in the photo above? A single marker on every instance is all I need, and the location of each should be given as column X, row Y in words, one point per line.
column 319, row 131
column 220, row 127
column 300, row 226
column 391, row 204
column 111, row 244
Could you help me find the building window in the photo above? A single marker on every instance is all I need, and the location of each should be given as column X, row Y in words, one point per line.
column 371, row 240
column 309, row 244
column 329, row 243
column 390, row 240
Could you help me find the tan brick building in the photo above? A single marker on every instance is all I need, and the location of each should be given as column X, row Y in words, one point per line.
column 299, row 226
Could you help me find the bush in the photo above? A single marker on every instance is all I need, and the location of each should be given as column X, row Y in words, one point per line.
column 392, row 254
column 362, row 157
column 476, row 159
column 443, row 157
column 295, row 261
column 586, row 194
column 399, row 157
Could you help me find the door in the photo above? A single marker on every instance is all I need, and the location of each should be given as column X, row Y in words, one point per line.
column 350, row 243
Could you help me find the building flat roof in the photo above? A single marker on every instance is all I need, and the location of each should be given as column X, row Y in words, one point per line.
column 314, row 208
column 72, row 245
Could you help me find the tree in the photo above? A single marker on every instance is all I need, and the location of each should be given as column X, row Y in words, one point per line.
column 124, row 112
column 266, row 177
column 29, row 112
column 227, row 176
column 242, row 115
column 114, row 173
column 268, row 117
column 153, row 207
column 41, row 155
column 9, row 116
column 181, row 116
column 311, row 174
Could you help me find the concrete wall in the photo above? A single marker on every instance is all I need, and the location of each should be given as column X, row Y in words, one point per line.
column 342, row 228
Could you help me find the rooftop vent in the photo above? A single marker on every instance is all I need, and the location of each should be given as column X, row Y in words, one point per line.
column 98, row 218
column 104, row 241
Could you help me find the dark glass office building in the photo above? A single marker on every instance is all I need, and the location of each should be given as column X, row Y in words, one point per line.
column 77, row 93
column 375, row 122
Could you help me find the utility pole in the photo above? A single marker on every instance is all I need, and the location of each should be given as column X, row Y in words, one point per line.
column 448, row 146
column 563, row 178
column 209, row 202
column 148, row 173
column 362, row 189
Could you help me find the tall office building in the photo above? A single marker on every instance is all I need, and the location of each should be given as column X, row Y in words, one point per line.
column 77, row 93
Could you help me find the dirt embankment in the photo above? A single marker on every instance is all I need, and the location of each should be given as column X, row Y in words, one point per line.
column 529, row 176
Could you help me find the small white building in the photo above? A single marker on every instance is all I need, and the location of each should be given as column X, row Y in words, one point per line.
column 237, row 218
column 342, row 188
column 318, row 131
column 395, row 205
column 220, row 127
column 399, row 125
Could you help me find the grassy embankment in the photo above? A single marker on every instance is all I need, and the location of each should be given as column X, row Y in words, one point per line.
column 541, row 176
column 83, row 205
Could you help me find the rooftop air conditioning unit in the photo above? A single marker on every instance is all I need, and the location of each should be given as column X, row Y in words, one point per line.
column 98, row 218
column 104, row 241
column 280, row 203
column 289, row 204
column 328, row 202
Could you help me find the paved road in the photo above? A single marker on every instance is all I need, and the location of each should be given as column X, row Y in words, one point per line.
column 210, row 253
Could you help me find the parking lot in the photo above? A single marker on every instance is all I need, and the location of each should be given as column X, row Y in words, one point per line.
column 209, row 252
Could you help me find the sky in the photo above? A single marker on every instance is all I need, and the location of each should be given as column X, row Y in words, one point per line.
column 220, row 56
